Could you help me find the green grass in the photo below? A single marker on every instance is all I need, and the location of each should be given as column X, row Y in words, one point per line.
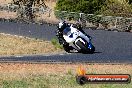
column 14, row 84
column 56, row 43
column 54, row 81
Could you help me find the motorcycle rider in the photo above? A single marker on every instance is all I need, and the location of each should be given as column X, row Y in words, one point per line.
column 61, row 27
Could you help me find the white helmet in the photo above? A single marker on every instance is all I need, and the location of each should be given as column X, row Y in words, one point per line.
column 62, row 24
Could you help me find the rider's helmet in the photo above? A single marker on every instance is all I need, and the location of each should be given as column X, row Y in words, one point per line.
column 67, row 31
column 62, row 25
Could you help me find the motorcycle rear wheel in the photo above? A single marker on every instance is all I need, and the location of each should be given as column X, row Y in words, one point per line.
column 67, row 48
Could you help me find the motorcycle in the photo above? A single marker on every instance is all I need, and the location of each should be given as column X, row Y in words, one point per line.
column 77, row 40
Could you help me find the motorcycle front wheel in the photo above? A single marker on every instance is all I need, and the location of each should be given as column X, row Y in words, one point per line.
column 84, row 48
column 92, row 49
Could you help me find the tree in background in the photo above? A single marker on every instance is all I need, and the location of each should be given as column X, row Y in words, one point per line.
column 116, row 8
column 130, row 1
column 105, row 7
column 28, row 7
column 84, row 6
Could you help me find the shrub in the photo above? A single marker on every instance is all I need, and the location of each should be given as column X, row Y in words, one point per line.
column 83, row 6
column 130, row 1
column 116, row 8
column 56, row 43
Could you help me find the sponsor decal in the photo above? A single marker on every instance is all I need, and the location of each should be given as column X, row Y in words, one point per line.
column 83, row 78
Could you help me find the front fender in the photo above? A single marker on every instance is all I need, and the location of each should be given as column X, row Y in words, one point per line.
column 70, row 39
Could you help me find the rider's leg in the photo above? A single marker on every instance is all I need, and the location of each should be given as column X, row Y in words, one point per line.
column 84, row 33
column 79, row 27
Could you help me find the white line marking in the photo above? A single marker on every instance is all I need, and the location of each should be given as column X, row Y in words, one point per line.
column 19, row 56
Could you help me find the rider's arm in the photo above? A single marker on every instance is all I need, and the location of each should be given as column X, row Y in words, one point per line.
column 79, row 27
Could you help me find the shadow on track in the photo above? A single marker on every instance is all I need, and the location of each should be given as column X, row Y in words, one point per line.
column 86, row 53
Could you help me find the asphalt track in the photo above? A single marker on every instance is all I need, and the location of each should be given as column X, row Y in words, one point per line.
column 111, row 47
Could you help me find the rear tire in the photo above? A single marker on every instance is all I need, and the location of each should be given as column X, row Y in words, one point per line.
column 67, row 48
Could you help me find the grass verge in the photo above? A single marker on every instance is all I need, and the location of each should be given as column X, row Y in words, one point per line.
column 56, row 75
column 14, row 45
column 56, row 43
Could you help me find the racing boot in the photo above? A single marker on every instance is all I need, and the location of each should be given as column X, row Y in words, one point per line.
column 66, row 47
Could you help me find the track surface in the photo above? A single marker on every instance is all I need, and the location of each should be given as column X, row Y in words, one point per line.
column 111, row 47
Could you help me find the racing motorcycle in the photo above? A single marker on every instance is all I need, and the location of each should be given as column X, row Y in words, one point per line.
column 74, row 39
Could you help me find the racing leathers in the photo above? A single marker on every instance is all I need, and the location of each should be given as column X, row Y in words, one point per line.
column 59, row 34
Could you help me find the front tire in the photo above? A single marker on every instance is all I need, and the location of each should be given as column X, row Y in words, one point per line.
column 84, row 48
column 92, row 50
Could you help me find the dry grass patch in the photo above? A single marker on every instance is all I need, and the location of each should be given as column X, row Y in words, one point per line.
column 14, row 45
column 8, row 15
column 62, row 69
column 56, row 75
